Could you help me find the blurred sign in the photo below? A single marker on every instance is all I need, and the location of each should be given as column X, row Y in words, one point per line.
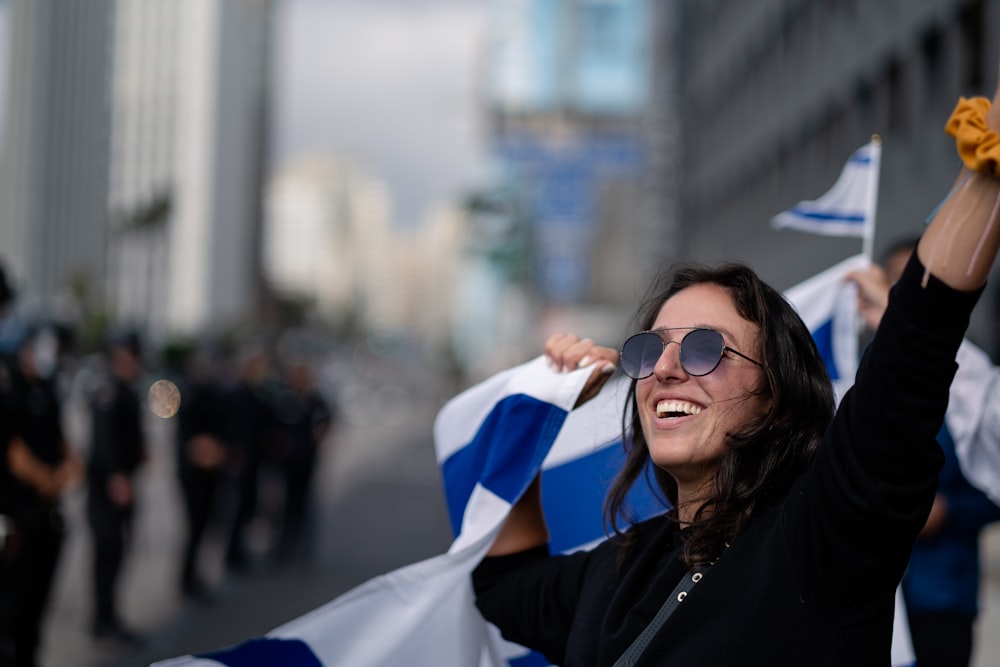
column 587, row 56
column 563, row 178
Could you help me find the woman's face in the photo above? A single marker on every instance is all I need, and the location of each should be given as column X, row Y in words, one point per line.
column 685, row 419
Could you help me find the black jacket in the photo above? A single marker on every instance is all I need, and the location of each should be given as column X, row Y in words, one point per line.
column 117, row 442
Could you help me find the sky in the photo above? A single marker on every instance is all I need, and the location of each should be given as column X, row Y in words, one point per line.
column 390, row 84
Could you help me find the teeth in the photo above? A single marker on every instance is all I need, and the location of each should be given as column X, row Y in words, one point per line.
column 664, row 408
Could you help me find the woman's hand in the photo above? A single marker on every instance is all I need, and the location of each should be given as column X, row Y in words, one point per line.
column 568, row 352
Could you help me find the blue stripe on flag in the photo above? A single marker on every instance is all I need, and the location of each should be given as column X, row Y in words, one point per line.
column 851, row 218
column 823, row 335
column 573, row 497
column 264, row 652
column 501, row 456
column 863, row 158
column 532, row 659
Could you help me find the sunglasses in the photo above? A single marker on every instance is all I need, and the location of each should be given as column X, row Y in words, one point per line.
column 701, row 352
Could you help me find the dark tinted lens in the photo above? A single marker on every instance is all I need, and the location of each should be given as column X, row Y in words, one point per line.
column 701, row 351
column 640, row 354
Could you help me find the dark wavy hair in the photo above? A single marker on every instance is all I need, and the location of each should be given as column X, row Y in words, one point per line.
column 765, row 455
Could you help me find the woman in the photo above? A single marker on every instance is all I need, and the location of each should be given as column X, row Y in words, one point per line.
column 796, row 527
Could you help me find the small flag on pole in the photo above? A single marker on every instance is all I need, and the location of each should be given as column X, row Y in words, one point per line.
column 848, row 208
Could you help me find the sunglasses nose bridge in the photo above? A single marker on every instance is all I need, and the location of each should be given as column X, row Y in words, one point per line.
column 672, row 361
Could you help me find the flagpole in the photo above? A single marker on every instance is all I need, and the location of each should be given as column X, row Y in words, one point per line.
column 868, row 240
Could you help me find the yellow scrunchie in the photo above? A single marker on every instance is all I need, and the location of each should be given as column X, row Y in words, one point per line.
column 977, row 144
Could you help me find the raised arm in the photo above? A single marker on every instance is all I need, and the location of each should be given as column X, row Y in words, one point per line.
column 961, row 242
column 525, row 525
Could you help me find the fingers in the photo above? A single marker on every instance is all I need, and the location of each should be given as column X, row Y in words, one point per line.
column 872, row 284
column 567, row 352
column 873, row 294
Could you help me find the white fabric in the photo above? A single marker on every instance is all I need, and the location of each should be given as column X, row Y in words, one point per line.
column 424, row 613
column 827, row 300
column 973, row 419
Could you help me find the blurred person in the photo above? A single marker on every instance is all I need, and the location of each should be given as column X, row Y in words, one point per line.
column 201, row 458
column 250, row 427
column 6, row 479
column 7, row 536
column 942, row 581
column 117, row 449
column 42, row 466
column 304, row 419
column 11, row 328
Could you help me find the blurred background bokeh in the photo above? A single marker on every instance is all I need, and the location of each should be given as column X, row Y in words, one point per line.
column 449, row 180
column 412, row 194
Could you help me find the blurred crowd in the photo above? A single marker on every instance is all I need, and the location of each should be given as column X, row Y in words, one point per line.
column 248, row 429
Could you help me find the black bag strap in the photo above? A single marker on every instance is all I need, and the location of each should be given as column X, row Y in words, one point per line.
column 687, row 582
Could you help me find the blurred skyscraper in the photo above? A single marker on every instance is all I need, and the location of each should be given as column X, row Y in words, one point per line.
column 54, row 165
column 327, row 226
column 331, row 245
column 133, row 160
column 775, row 95
column 189, row 140
column 567, row 92
column 143, row 180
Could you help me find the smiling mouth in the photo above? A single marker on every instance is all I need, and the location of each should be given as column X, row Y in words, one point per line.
column 673, row 409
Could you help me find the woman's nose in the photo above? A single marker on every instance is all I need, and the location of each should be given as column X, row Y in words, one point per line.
column 669, row 366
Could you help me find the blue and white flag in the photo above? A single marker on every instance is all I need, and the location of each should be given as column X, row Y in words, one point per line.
column 848, row 208
column 828, row 305
column 491, row 441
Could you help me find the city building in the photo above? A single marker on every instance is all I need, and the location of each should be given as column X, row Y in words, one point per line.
column 133, row 161
column 774, row 96
column 190, row 137
column 326, row 229
column 332, row 248
column 54, row 164
column 143, row 179
column 567, row 89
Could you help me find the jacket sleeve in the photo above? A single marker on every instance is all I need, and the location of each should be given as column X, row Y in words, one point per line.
column 854, row 516
column 532, row 597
